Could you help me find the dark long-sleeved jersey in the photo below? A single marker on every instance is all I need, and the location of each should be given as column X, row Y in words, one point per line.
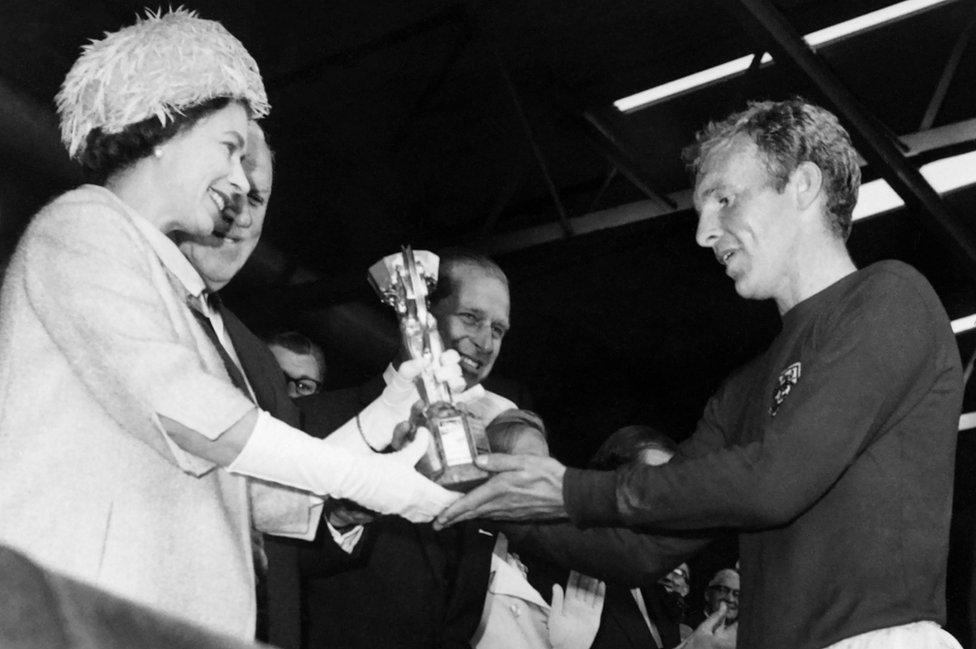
column 833, row 455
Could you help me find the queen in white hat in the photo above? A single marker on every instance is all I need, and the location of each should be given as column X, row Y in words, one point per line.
column 125, row 447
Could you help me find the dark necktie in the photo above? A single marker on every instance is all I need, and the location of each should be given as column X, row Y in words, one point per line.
column 237, row 378
column 213, row 300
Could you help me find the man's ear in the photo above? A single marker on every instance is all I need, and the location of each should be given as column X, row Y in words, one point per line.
column 807, row 184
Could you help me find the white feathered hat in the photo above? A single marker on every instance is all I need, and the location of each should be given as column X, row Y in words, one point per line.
column 156, row 67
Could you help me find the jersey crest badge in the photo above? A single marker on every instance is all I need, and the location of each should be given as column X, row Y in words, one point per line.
column 787, row 379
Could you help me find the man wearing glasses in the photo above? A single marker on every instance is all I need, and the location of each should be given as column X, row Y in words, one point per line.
column 723, row 587
column 301, row 360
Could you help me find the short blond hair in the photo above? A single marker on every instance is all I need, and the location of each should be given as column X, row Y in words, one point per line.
column 788, row 133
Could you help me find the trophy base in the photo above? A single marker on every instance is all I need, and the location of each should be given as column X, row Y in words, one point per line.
column 462, row 477
column 455, row 441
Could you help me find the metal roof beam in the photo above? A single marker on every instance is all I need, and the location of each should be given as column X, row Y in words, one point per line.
column 540, row 159
column 917, row 143
column 450, row 15
column 614, row 142
column 268, row 261
column 947, row 74
column 877, row 145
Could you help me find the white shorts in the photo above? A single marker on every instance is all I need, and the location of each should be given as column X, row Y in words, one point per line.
column 917, row 635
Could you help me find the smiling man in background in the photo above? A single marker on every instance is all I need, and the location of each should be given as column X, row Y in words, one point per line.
column 218, row 258
column 390, row 583
column 301, row 360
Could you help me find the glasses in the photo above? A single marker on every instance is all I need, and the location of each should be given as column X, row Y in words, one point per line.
column 725, row 590
column 303, row 385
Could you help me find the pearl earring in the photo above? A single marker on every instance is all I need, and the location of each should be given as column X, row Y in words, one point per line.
column 158, row 152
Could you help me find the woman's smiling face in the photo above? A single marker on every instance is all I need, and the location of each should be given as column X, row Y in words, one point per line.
column 200, row 171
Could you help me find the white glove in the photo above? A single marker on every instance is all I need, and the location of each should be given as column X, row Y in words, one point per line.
column 447, row 370
column 372, row 429
column 385, row 483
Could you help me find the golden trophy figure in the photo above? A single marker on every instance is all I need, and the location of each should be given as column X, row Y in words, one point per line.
column 404, row 281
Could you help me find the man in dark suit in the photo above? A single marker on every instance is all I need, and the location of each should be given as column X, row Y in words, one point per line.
column 218, row 259
column 397, row 584
column 301, row 360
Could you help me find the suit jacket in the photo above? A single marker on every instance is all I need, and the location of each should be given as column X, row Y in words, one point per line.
column 97, row 342
column 622, row 624
column 405, row 585
column 282, row 584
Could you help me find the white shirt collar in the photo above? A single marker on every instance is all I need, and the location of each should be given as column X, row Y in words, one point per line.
column 507, row 579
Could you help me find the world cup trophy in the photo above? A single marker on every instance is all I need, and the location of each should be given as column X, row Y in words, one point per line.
column 404, row 282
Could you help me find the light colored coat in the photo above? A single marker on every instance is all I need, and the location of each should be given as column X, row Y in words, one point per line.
column 96, row 341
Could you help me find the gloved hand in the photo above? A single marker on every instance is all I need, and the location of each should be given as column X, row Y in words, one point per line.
column 372, row 429
column 385, row 483
column 447, row 371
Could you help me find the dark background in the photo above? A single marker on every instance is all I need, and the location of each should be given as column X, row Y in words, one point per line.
column 490, row 124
